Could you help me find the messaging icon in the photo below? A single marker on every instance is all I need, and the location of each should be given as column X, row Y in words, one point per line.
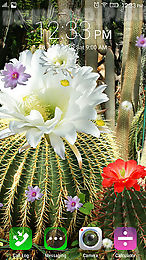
column 20, row 238
column 55, row 238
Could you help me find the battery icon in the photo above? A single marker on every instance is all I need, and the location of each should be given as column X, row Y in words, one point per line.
column 114, row 5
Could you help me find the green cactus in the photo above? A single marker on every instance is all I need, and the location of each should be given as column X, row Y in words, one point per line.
column 110, row 91
column 126, row 38
column 129, row 81
column 57, row 178
column 46, row 35
column 125, row 209
column 126, row 44
column 135, row 135
column 142, row 79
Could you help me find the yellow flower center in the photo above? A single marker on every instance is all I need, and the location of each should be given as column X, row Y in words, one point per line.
column 58, row 61
column 122, row 172
column 65, row 83
column 33, row 194
column 142, row 42
column 73, row 204
column 33, row 103
column 15, row 75
column 25, row 98
column 100, row 123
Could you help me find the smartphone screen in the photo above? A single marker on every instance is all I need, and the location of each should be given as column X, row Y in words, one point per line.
column 72, row 129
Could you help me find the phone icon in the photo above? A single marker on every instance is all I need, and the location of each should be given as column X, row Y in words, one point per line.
column 18, row 243
column 20, row 238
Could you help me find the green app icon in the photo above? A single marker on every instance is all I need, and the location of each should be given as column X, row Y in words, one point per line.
column 55, row 238
column 20, row 238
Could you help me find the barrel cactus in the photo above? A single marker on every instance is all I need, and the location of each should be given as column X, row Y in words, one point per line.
column 55, row 177
column 124, row 210
column 123, row 206
column 50, row 145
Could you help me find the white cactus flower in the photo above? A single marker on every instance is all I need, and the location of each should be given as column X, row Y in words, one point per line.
column 59, row 57
column 126, row 105
column 107, row 243
column 55, row 105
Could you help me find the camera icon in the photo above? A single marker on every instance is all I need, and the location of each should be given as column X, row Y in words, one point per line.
column 90, row 238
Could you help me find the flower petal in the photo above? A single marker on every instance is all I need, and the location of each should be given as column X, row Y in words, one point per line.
column 118, row 187
column 77, row 154
column 35, row 118
column 18, row 126
column 5, row 133
column 66, row 130
column 8, row 102
column 136, row 186
column 107, row 183
column 56, row 119
column 58, row 145
column 33, row 136
column 130, row 166
column 130, row 182
column 25, row 58
column 87, row 127
column 97, row 97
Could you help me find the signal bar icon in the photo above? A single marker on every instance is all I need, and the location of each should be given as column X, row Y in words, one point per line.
column 104, row 4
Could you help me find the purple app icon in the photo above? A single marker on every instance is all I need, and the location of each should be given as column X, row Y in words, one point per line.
column 125, row 238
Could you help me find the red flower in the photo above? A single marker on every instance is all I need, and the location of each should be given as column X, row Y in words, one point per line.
column 123, row 174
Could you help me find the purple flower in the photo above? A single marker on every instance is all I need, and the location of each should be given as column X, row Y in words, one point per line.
column 1, row 205
column 14, row 74
column 141, row 41
column 72, row 203
column 33, row 193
